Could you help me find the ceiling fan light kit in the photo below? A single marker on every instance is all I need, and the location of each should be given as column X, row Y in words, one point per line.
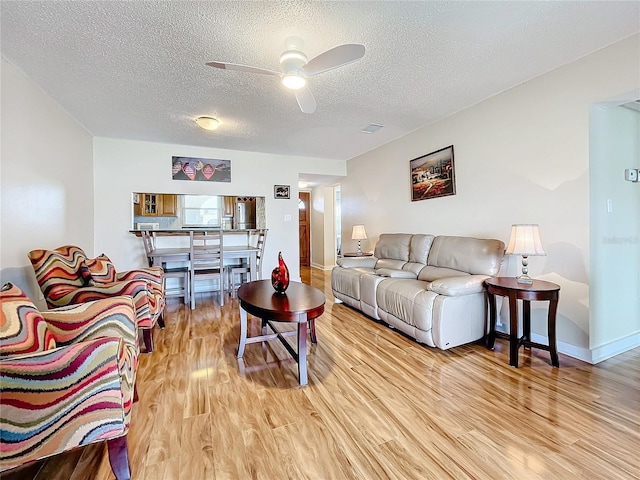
column 294, row 81
column 208, row 123
column 296, row 68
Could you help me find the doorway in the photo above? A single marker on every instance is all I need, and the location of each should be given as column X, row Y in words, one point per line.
column 305, row 228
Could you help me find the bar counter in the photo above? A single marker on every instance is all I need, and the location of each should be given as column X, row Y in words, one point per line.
column 186, row 230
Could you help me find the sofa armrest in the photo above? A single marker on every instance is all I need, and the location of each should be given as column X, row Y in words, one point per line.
column 153, row 275
column 59, row 399
column 458, row 286
column 108, row 317
column 352, row 262
column 138, row 289
column 113, row 317
column 390, row 272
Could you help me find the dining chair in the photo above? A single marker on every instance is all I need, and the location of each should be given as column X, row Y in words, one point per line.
column 206, row 261
column 181, row 273
column 243, row 268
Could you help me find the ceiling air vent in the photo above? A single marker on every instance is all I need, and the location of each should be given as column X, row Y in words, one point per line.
column 371, row 128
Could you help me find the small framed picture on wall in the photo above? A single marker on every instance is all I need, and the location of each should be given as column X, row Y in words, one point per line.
column 281, row 191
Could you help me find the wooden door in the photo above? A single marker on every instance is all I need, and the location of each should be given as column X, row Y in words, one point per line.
column 305, row 229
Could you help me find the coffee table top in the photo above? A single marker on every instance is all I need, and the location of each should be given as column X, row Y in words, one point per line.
column 298, row 304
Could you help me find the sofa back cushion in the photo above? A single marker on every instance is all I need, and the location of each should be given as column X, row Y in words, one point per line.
column 470, row 255
column 418, row 252
column 420, row 246
column 393, row 246
column 58, row 271
column 98, row 271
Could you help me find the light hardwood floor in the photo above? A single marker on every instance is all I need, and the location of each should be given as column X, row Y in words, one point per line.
column 378, row 406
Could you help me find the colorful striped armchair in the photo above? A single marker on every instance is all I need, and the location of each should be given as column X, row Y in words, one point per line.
column 67, row 277
column 67, row 378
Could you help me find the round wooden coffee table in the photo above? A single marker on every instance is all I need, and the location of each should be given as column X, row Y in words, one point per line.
column 300, row 304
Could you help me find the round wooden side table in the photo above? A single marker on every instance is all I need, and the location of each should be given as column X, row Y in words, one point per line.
column 514, row 291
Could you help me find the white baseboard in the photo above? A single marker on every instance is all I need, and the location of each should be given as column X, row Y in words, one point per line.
column 324, row 268
column 595, row 355
column 616, row 347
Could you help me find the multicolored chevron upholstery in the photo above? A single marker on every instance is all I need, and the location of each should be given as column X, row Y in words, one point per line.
column 22, row 328
column 78, row 392
column 59, row 274
column 101, row 270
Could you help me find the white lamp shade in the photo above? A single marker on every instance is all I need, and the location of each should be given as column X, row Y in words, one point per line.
column 358, row 233
column 525, row 240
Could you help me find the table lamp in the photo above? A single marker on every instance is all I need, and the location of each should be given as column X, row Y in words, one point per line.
column 525, row 241
column 359, row 234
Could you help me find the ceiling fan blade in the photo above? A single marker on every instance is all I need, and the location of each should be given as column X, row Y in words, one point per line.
column 334, row 58
column 305, row 100
column 243, row 68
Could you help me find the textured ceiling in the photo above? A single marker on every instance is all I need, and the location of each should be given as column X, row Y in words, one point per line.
column 136, row 70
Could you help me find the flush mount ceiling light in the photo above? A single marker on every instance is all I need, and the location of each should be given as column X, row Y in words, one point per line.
column 208, row 123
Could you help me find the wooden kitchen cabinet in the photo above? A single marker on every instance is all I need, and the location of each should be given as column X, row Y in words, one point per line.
column 158, row 205
column 169, row 205
column 228, row 206
column 150, row 204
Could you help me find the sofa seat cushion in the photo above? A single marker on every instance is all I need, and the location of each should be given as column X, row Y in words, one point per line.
column 390, row 263
column 408, row 300
column 456, row 286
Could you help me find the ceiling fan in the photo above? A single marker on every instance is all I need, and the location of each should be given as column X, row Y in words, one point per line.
column 296, row 68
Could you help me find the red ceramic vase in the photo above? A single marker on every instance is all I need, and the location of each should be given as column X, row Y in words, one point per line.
column 280, row 276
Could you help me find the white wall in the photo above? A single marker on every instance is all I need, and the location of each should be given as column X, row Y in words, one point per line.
column 46, row 186
column 323, row 232
column 123, row 167
column 520, row 157
column 615, row 235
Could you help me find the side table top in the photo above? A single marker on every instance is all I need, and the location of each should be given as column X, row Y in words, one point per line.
column 353, row 254
column 299, row 303
column 511, row 283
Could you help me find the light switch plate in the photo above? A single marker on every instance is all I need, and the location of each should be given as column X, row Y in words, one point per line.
column 631, row 175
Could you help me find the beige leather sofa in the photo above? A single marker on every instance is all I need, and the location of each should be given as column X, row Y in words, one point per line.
column 429, row 287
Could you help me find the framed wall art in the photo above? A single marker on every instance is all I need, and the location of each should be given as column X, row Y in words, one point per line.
column 201, row 169
column 281, row 191
column 433, row 175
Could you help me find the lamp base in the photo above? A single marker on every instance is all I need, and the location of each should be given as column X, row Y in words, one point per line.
column 526, row 279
